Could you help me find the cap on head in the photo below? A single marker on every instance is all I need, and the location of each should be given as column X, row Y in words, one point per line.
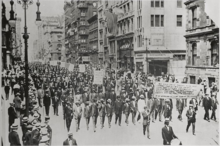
column 70, row 134
column 142, row 96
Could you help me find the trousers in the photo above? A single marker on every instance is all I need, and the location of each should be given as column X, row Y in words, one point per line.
column 118, row 118
column 146, row 127
column 193, row 126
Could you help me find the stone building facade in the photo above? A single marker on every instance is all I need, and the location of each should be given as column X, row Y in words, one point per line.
column 202, row 37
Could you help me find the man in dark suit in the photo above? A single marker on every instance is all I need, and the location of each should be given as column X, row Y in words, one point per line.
column 109, row 111
column 27, row 136
column 207, row 103
column 70, row 140
column 94, row 113
column 102, row 112
column 35, row 135
column 13, row 136
column 167, row 133
column 87, row 114
column 12, row 115
column 127, row 110
column 118, row 110
column 47, row 103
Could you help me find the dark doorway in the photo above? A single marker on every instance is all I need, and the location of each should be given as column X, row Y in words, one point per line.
column 192, row 79
column 156, row 67
column 211, row 80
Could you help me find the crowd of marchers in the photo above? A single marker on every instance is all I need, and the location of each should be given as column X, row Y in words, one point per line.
column 122, row 92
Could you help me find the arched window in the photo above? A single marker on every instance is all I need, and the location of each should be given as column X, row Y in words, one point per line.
column 194, row 53
column 214, row 53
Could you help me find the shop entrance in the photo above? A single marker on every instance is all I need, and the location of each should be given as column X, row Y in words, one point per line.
column 156, row 67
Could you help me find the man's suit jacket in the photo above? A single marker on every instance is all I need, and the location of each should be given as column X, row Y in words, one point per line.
column 94, row 109
column 146, row 118
column 12, row 115
column 207, row 103
column 127, row 108
column 66, row 142
column 35, row 137
column 167, row 135
column 14, row 139
column 102, row 110
column 118, row 107
column 87, row 111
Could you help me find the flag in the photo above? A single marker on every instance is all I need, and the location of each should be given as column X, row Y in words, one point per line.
column 111, row 22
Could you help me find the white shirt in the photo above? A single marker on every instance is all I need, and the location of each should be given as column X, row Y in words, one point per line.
column 168, row 128
column 141, row 105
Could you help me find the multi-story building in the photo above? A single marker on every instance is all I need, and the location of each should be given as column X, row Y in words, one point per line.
column 202, row 38
column 51, row 39
column 93, row 38
column 19, row 52
column 159, row 44
column 116, row 50
column 76, row 25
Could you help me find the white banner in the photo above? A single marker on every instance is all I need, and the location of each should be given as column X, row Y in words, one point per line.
column 176, row 90
column 98, row 77
column 82, row 68
column 71, row 67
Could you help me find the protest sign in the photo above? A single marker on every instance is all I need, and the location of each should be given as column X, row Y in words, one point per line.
column 98, row 77
column 176, row 90
column 71, row 67
column 82, row 68
column 62, row 64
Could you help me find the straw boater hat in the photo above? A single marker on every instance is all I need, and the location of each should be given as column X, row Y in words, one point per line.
column 142, row 96
column 14, row 126
column 109, row 100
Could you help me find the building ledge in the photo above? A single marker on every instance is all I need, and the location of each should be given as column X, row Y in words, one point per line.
column 202, row 67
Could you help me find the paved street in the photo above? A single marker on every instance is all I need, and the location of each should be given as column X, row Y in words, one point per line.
column 206, row 132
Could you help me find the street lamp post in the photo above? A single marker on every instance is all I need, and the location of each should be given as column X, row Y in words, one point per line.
column 25, row 4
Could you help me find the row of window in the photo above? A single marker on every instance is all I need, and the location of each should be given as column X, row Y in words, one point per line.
column 214, row 54
column 157, row 3
column 158, row 21
column 160, row 3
